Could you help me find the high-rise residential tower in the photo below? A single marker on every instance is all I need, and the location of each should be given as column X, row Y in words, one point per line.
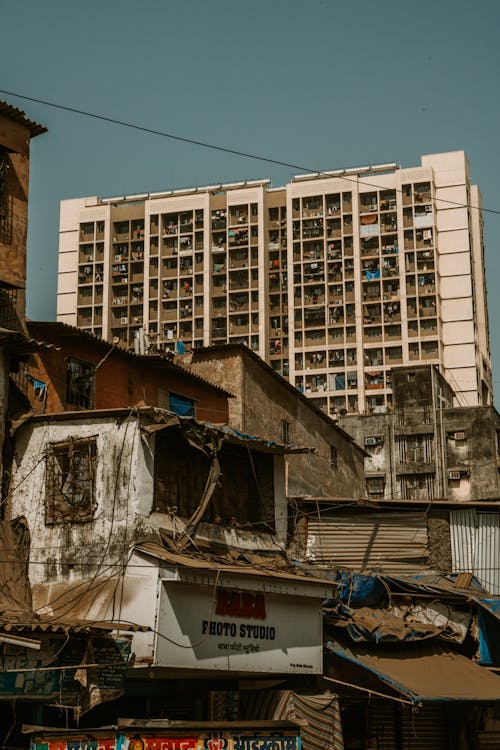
column 333, row 279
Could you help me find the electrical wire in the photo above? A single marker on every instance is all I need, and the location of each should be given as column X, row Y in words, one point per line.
column 225, row 149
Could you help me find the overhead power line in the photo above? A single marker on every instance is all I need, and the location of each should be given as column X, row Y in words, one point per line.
column 225, row 149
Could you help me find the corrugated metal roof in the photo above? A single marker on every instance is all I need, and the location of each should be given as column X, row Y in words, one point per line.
column 475, row 546
column 392, row 543
column 18, row 342
column 46, row 328
column 16, row 114
column 49, row 625
column 205, row 562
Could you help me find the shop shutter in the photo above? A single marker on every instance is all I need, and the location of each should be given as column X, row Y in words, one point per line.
column 382, row 719
column 424, row 729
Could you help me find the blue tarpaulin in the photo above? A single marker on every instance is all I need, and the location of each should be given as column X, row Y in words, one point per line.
column 488, row 617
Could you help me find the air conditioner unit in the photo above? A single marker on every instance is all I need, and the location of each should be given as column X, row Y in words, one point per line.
column 373, row 207
column 428, row 209
column 459, row 435
column 116, row 339
column 371, row 441
column 123, row 321
column 118, row 258
column 453, row 475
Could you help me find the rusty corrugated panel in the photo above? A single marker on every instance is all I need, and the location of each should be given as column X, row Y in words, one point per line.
column 475, row 546
column 393, row 543
column 69, row 626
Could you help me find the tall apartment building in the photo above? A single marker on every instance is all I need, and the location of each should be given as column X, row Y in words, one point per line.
column 333, row 279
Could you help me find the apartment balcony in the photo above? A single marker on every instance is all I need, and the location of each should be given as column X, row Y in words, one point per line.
column 121, row 237
column 84, row 319
column 219, row 333
column 390, row 272
column 87, row 234
column 430, row 353
column 427, row 312
column 314, row 339
column 368, row 207
column 236, row 284
column 240, row 330
column 238, row 263
column 431, row 331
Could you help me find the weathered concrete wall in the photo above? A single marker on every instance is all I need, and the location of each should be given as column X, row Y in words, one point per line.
column 71, row 551
column 476, row 456
column 64, row 555
column 478, row 452
column 225, row 370
column 263, row 401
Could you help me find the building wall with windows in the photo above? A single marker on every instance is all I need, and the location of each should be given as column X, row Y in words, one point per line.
column 333, row 279
column 426, row 448
column 79, row 371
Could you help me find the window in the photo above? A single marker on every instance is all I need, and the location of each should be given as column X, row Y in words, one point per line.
column 333, row 457
column 80, row 383
column 181, row 405
column 70, row 481
column 375, row 486
column 285, row 432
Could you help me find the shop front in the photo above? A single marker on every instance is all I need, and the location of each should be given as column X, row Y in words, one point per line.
column 156, row 735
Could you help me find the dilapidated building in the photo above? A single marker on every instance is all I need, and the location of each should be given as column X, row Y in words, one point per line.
column 266, row 404
column 427, row 448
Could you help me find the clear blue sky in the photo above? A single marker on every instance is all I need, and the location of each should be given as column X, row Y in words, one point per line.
column 321, row 83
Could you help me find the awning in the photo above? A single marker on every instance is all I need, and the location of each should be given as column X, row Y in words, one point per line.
column 424, row 673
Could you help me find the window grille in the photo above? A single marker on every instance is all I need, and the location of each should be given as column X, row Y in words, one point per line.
column 70, row 481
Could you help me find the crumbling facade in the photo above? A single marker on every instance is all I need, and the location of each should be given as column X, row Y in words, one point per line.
column 427, row 448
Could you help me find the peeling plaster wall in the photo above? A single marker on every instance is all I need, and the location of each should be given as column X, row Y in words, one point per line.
column 65, row 556
column 123, row 486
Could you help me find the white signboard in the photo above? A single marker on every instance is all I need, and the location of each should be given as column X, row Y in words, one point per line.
column 231, row 630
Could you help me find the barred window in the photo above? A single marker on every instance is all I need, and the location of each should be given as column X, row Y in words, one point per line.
column 80, row 383
column 70, row 481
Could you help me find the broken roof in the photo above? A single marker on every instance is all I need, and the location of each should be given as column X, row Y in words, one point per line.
column 236, row 563
column 164, row 420
column 246, row 351
column 161, row 419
